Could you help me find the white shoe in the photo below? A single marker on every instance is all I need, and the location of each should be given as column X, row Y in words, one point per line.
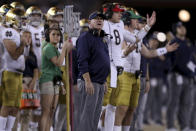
column 171, row 129
column 19, row 127
column 51, row 128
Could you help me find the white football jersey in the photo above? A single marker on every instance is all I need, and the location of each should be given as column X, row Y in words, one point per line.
column 37, row 35
column 114, row 44
column 11, row 64
column 132, row 61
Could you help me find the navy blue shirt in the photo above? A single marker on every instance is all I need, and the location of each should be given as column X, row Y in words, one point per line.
column 157, row 68
column 93, row 57
column 180, row 58
column 30, row 65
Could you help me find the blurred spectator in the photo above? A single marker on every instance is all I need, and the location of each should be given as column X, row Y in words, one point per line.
column 181, row 81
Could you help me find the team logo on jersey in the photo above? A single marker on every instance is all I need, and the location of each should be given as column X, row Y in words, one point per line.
column 8, row 33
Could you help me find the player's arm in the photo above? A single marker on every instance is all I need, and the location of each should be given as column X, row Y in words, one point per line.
column 14, row 51
column 158, row 52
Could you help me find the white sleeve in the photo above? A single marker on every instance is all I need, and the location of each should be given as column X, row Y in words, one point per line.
column 128, row 37
column 143, row 32
column 106, row 27
column 9, row 34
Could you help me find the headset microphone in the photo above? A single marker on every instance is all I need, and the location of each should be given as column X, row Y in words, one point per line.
column 111, row 37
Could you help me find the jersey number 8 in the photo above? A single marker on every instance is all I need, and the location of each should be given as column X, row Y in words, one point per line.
column 117, row 37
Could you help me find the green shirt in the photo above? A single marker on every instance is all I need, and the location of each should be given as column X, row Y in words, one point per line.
column 44, row 43
column 49, row 70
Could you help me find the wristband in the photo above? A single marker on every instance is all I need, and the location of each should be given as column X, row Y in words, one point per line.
column 161, row 51
column 147, row 27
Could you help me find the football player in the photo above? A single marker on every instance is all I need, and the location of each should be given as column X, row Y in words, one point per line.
column 115, row 28
column 34, row 16
column 12, row 75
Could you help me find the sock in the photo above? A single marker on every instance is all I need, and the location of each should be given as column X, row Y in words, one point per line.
column 33, row 124
column 109, row 117
column 3, row 121
column 51, row 128
column 103, row 108
column 10, row 123
column 125, row 128
column 100, row 124
column 117, row 128
column 102, row 128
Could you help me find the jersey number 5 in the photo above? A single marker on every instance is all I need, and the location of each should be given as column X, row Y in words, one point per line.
column 37, row 40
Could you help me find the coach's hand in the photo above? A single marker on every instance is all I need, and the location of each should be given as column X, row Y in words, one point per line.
column 89, row 87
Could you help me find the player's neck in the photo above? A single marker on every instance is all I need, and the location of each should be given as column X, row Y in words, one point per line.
column 113, row 21
column 130, row 29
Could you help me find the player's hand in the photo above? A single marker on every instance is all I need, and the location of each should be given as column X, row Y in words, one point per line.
column 26, row 38
column 89, row 87
column 172, row 47
column 151, row 20
column 129, row 49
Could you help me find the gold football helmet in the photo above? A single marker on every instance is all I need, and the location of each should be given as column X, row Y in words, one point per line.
column 4, row 9
column 13, row 18
column 83, row 23
column 33, row 10
column 34, row 15
column 17, row 5
column 52, row 12
column 132, row 9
